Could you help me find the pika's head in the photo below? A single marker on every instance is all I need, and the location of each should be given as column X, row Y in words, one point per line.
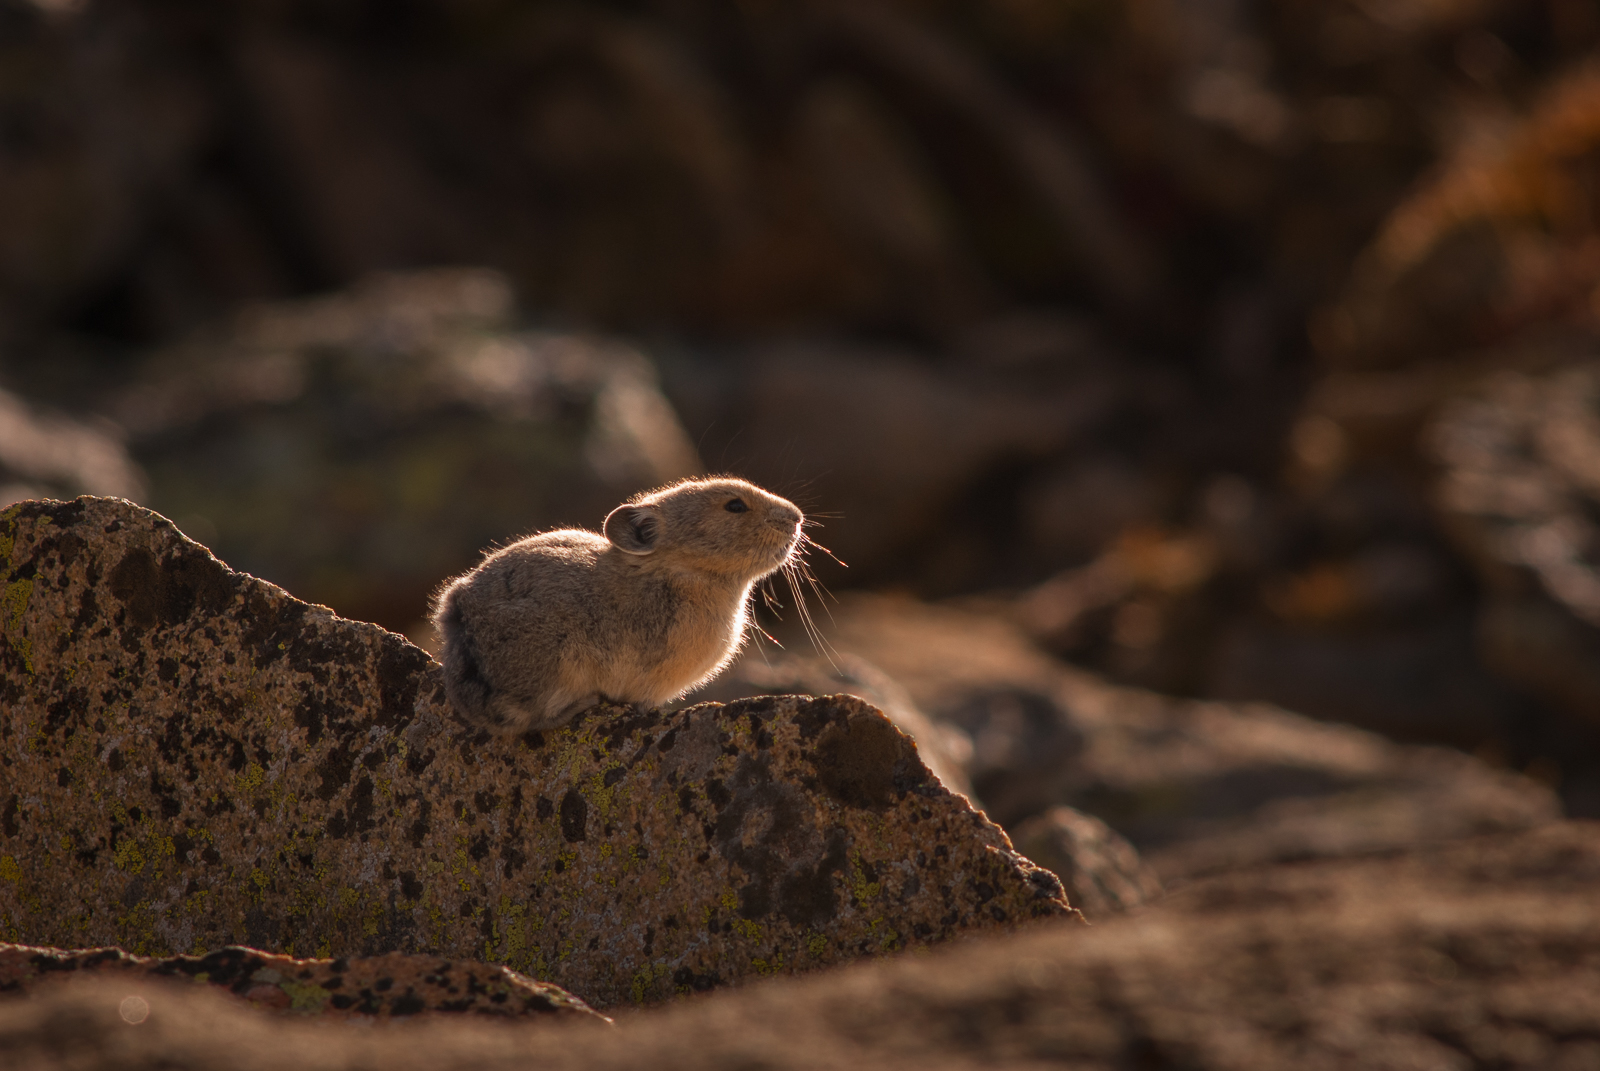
column 723, row 526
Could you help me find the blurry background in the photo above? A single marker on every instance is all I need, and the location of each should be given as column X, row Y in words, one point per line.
column 1242, row 349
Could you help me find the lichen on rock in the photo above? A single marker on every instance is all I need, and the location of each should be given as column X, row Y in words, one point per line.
column 393, row 986
column 192, row 758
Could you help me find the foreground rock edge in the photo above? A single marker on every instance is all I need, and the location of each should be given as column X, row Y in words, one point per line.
column 1482, row 953
column 368, row 988
column 196, row 759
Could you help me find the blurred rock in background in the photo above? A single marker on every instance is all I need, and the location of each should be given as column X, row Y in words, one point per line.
column 1228, row 351
column 1101, row 871
column 45, row 454
column 1196, row 786
column 359, row 448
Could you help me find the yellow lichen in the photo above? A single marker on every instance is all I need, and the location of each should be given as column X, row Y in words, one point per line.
column 252, row 778
column 646, row 977
column 862, row 889
column 128, row 856
column 9, row 870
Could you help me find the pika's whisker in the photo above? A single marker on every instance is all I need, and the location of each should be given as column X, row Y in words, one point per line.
column 792, row 571
column 813, row 543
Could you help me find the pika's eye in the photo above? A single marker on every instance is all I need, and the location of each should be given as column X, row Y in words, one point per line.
column 736, row 505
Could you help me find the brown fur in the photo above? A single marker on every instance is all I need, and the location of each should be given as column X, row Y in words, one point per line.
column 657, row 606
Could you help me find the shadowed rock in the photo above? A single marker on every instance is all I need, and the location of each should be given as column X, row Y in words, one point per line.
column 1102, row 872
column 1482, row 954
column 1196, row 786
column 371, row 987
column 192, row 758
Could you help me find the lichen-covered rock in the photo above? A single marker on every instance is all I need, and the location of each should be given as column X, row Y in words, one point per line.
column 367, row 987
column 1484, row 954
column 943, row 748
column 192, row 758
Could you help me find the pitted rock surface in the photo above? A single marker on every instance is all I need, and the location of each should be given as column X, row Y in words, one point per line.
column 366, row 988
column 192, row 759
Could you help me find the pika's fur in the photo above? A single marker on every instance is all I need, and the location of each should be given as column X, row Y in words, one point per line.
column 552, row 623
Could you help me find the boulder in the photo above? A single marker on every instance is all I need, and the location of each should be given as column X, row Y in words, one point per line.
column 44, row 453
column 1197, row 786
column 357, row 447
column 369, row 987
column 1481, row 954
column 1102, row 872
column 1518, row 457
column 945, row 749
column 192, row 759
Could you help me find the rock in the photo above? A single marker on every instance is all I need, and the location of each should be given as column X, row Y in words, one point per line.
column 1519, row 483
column 367, row 988
column 944, row 748
column 1196, row 786
column 359, row 447
column 1101, row 871
column 1424, row 683
column 194, row 759
column 44, row 453
column 1480, row 954
column 1478, row 253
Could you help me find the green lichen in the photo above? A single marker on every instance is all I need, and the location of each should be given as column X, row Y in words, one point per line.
column 604, row 797
column 768, row 967
column 305, row 996
column 15, row 599
column 9, row 870
column 252, row 778
column 645, row 978
column 129, row 857
column 863, row 890
column 13, row 604
column 888, row 940
column 8, row 533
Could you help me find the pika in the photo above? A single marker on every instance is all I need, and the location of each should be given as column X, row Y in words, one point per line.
column 551, row 624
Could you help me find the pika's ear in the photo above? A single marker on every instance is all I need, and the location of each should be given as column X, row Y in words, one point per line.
column 633, row 529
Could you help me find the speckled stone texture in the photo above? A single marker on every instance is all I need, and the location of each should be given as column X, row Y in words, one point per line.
column 366, row 988
column 190, row 758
